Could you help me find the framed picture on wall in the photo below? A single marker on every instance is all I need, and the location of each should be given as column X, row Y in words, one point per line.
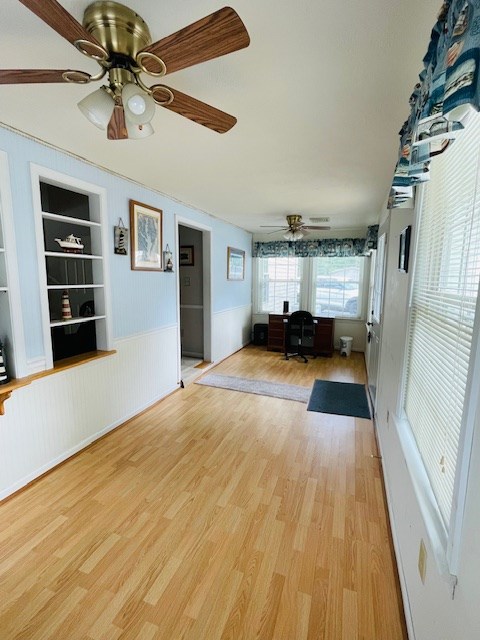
column 235, row 264
column 404, row 249
column 186, row 256
column 146, row 237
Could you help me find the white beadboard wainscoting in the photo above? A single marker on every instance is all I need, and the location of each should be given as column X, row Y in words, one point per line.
column 231, row 330
column 57, row 415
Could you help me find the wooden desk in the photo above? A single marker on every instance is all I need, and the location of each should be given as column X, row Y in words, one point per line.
column 323, row 341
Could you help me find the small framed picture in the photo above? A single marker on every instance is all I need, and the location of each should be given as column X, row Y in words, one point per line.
column 235, row 264
column 146, row 237
column 404, row 249
column 186, row 256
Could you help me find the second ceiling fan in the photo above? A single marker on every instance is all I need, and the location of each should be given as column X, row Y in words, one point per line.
column 295, row 229
column 119, row 40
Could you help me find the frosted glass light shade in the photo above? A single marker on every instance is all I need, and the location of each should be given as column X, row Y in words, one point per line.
column 139, row 107
column 293, row 235
column 98, row 108
column 137, row 131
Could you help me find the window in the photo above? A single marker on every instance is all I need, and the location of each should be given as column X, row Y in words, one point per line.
column 377, row 297
column 324, row 286
column 338, row 285
column 442, row 313
column 279, row 279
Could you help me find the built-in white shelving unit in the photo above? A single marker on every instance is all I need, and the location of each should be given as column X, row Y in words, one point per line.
column 69, row 207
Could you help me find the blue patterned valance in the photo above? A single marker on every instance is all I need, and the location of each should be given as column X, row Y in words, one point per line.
column 447, row 92
column 333, row 248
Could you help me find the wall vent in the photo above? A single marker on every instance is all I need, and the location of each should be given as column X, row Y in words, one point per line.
column 319, row 220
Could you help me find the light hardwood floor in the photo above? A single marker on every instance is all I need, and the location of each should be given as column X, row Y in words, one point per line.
column 214, row 515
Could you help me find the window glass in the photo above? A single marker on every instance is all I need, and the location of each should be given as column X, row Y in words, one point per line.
column 338, row 286
column 279, row 279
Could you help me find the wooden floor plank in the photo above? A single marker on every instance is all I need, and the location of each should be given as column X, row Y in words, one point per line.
column 214, row 515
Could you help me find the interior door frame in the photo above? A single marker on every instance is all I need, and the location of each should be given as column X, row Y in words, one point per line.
column 207, row 286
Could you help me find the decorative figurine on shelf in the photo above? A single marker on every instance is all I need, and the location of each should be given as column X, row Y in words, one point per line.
column 3, row 369
column 71, row 244
column 66, row 310
column 167, row 259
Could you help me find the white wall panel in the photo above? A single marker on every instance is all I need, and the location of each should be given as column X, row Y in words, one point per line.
column 231, row 330
column 56, row 416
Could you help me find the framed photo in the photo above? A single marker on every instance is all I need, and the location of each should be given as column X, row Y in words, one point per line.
column 235, row 264
column 186, row 256
column 404, row 249
column 145, row 237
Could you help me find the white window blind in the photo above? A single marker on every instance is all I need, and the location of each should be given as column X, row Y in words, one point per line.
column 377, row 298
column 442, row 313
column 279, row 279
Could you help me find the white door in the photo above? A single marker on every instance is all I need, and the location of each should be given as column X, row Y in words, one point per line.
column 374, row 317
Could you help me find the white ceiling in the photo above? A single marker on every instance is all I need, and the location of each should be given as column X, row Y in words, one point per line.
column 319, row 94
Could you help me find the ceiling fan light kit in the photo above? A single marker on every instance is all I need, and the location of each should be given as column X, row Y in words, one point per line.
column 119, row 40
column 139, row 106
column 139, row 131
column 293, row 235
column 97, row 107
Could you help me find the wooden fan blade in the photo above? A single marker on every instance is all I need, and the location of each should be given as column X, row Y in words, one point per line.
column 117, row 129
column 53, row 14
column 215, row 35
column 200, row 112
column 25, row 76
column 273, row 226
column 309, row 226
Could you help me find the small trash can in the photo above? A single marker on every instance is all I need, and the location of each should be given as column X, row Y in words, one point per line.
column 346, row 345
column 260, row 334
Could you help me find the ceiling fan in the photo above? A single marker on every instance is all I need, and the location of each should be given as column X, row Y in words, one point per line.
column 119, row 40
column 295, row 229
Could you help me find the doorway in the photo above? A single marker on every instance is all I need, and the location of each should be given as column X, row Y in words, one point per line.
column 194, row 306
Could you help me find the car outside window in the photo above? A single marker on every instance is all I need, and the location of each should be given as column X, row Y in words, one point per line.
column 338, row 286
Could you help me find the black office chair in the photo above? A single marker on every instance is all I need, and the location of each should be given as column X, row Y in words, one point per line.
column 299, row 334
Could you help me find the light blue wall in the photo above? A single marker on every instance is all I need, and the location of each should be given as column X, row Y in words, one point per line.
column 141, row 301
column 230, row 293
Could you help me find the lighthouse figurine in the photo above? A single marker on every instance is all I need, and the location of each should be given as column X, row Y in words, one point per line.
column 122, row 247
column 66, row 310
column 3, row 370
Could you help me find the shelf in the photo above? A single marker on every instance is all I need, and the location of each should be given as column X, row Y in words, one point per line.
column 62, row 287
column 69, row 220
column 3, row 289
column 2, row 250
column 63, row 323
column 66, row 254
